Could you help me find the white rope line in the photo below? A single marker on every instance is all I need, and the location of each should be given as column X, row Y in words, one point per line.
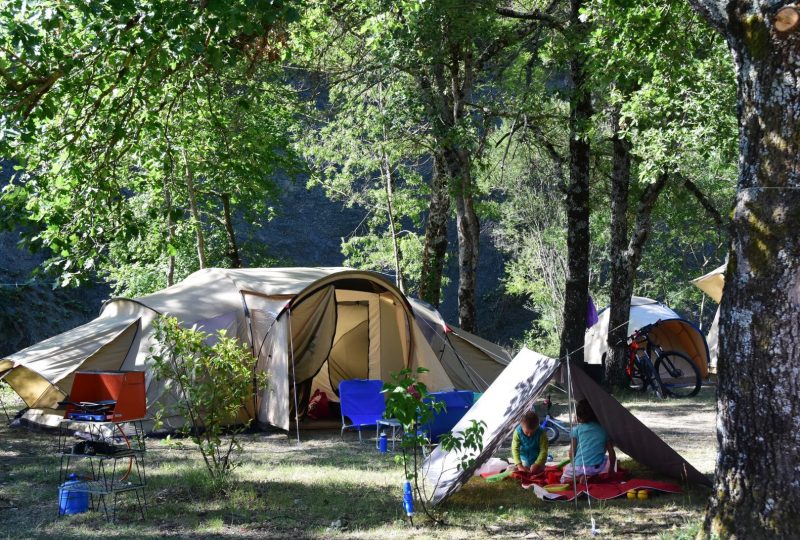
column 583, row 458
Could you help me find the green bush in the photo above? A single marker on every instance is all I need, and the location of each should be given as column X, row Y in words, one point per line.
column 408, row 402
column 211, row 383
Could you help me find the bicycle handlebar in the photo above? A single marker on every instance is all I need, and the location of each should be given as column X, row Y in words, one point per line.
column 644, row 330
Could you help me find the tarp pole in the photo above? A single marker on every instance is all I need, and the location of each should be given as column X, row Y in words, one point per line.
column 294, row 378
column 571, row 429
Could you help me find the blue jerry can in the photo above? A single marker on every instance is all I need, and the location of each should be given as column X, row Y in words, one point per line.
column 71, row 501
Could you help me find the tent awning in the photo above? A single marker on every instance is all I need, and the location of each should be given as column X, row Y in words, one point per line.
column 712, row 283
column 515, row 391
column 35, row 372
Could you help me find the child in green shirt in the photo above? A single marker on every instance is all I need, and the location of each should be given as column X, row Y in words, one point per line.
column 529, row 444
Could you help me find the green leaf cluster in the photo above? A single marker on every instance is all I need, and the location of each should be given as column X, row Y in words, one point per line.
column 212, row 379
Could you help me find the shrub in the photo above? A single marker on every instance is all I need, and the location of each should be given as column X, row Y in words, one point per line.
column 408, row 402
column 212, row 377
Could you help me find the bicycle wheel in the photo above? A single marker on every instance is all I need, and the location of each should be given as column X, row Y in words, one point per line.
column 638, row 380
column 679, row 376
column 552, row 433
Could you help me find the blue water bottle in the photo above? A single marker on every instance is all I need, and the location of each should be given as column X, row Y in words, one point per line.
column 408, row 499
column 383, row 444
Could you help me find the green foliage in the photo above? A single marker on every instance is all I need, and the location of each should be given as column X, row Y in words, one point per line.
column 212, row 379
column 99, row 101
column 408, row 402
column 670, row 80
column 360, row 154
column 402, row 83
column 467, row 444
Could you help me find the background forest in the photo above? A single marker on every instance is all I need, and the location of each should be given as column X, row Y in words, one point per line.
column 433, row 142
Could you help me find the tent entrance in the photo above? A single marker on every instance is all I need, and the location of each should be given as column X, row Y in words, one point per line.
column 343, row 334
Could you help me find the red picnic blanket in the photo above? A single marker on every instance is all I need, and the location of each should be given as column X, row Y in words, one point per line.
column 603, row 486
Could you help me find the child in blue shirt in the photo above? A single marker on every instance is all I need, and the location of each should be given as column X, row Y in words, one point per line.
column 529, row 444
column 590, row 442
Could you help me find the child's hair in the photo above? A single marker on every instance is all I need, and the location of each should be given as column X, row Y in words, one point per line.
column 584, row 412
column 530, row 419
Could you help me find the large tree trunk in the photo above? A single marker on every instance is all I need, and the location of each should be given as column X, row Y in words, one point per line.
column 434, row 249
column 621, row 272
column 576, row 293
column 468, row 226
column 757, row 491
column 230, row 232
column 196, row 220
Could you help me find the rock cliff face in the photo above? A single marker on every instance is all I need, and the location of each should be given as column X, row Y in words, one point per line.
column 308, row 232
column 30, row 309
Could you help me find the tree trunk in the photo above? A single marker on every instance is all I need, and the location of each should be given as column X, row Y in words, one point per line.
column 633, row 257
column 621, row 272
column 468, row 226
column 198, row 224
column 757, row 491
column 170, row 234
column 576, row 293
column 230, row 233
column 434, row 249
column 389, row 188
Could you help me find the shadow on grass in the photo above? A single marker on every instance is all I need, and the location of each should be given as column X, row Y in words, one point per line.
column 186, row 505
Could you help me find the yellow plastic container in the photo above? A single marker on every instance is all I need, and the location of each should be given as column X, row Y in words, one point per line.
column 632, row 494
column 643, row 494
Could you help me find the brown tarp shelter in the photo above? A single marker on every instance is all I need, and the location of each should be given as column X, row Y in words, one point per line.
column 515, row 391
column 306, row 326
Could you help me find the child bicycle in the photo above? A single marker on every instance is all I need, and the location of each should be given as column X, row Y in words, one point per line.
column 550, row 425
column 671, row 374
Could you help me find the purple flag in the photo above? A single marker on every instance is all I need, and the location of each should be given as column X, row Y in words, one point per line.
column 591, row 313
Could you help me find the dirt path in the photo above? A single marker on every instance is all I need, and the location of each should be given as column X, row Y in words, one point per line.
column 688, row 426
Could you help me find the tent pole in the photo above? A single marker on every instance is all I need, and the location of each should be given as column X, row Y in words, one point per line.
column 294, row 379
column 571, row 428
column 574, row 465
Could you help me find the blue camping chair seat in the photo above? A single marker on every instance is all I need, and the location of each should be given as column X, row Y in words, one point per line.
column 362, row 403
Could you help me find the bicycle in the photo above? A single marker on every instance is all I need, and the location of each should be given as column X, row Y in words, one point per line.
column 672, row 374
column 552, row 426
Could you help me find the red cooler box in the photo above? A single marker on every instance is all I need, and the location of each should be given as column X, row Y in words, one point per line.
column 110, row 396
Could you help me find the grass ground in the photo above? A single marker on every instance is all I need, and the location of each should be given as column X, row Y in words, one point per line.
column 326, row 488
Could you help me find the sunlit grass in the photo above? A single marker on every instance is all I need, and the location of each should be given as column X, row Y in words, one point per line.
column 327, row 488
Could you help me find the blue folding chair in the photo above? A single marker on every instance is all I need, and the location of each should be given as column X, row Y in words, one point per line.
column 362, row 403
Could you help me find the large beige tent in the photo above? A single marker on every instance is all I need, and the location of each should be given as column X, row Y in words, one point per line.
column 471, row 362
column 315, row 326
column 713, row 284
column 674, row 333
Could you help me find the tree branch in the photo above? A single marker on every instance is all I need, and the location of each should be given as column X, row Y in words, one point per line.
column 644, row 211
column 715, row 12
column 704, row 201
column 537, row 15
